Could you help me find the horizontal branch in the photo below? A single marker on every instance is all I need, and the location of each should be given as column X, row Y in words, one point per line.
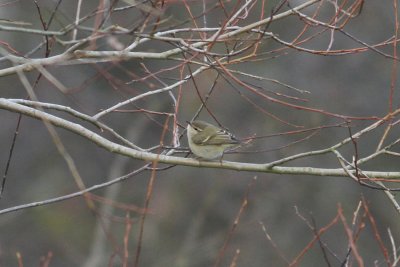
column 128, row 55
column 75, row 56
column 27, row 30
column 172, row 160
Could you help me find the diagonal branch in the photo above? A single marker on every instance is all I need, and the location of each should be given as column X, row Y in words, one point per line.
column 147, row 156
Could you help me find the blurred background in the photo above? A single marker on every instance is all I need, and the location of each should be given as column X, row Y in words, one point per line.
column 192, row 210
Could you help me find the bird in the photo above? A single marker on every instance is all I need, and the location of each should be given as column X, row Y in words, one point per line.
column 208, row 141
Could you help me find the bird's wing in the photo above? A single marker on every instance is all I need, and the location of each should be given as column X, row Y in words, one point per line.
column 220, row 137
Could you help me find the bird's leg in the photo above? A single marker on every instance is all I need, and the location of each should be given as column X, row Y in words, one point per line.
column 220, row 159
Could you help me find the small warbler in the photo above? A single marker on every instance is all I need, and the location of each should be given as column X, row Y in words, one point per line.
column 208, row 141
